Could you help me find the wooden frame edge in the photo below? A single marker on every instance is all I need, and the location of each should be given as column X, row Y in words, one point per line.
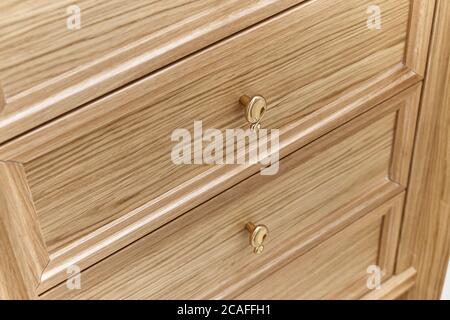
column 390, row 236
column 404, row 136
column 395, row 287
column 24, row 255
column 421, row 21
column 425, row 238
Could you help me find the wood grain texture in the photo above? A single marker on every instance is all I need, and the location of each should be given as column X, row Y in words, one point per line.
column 319, row 190
column 322, row 272
column 103, row 174
column 425, row 240
column 404, row 137
column 2, row 98
column 390, row 234
column 156, row 213
column 301, row 108
column 23, row 253
column 327, row 271
column 283, row 67
column 421, row 22
column 395, row 287
column 48, row 69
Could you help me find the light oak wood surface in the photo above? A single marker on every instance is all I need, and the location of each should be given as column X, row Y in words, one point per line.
column 125, row 162
column 109, row 150
column 319, row 189
column 156, row 213
column 122, row 232
column 2, row 98
column 395, row 287
column 47, row 69
column 23, row 253
column 326, row 272
column 322, row 272
column 425, row 241
column 421, row 23
column 95, row 180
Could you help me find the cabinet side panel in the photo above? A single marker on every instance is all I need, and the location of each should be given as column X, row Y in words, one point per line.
column 425, row 239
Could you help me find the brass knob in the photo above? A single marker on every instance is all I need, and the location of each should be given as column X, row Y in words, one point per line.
column 257, row 236
column 255, row 109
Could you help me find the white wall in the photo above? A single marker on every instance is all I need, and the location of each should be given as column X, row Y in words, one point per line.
column 446, row 291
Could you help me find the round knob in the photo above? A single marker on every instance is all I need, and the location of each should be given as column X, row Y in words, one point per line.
column 257, row 236
column 255, row 109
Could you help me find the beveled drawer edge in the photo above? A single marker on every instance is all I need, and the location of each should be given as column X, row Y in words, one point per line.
column 153, row 215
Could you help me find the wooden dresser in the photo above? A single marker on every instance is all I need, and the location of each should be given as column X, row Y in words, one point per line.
column 93, row 205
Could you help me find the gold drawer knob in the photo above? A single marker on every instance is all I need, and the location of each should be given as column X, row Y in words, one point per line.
column 257, row 236
column 255, row 109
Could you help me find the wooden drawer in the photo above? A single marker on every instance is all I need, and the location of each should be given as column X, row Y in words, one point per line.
column 340, row 267
column 319, row 190
column 101, row 176
column 48, row 67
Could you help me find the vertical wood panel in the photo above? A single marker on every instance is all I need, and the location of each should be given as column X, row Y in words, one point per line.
column 390, row 236
column 422, row 12
column 404, row 136
column 425, row 239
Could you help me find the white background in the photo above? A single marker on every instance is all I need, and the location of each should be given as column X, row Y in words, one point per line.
column 446, row 291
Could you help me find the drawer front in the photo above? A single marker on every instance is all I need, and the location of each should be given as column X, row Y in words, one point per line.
column 57, row 55
column 102, row 176
column 48, row 68
column 343, row 267
column 318, row 190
